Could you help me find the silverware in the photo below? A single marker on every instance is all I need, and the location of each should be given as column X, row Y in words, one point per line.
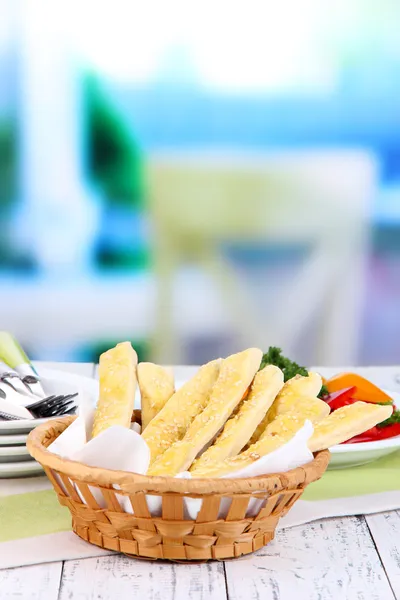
column 13, row 355
column 31, row 379
column 7, row 417
column 53, row 406
column 11, row 377
column 18, row 373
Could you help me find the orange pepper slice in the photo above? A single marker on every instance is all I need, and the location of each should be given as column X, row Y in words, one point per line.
column 366, row 391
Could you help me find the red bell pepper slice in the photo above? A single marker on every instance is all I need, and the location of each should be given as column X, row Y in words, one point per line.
column 341, row 398
column 376, row 433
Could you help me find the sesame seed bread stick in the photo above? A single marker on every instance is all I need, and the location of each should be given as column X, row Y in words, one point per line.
column 117, row 375
column 236, row 374
column 238, row 429
column 173, row 420
column 296, row 387
column 276, row 434
column 156, row 386
column 346, row 422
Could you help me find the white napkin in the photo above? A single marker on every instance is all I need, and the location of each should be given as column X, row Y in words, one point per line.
column 294, row 453
column 86, row 410
column 116, row 448
column 70, row 440
column 12, row 408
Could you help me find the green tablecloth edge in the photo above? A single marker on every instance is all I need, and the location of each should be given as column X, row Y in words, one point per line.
column 32, row 514
column 382, row 475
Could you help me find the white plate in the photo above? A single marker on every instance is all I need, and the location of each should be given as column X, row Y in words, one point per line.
column 13, row 440
column 54, row 382
column 352, row 455
column 20, row 469
column 10, row 454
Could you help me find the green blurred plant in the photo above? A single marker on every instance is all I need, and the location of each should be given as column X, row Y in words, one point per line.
column 114, row 164
column 114, row 159
column 8, row 182
column 8, row 163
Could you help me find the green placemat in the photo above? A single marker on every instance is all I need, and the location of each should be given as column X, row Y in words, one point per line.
column 382, row 475
column 33, row 514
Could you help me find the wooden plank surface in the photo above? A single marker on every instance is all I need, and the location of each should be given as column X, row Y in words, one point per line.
column 37, row 582
column 327, row 560
column 113, row 577
column 385, row 530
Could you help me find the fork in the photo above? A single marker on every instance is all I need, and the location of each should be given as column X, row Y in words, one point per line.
column 52, row 406
column 15, row 357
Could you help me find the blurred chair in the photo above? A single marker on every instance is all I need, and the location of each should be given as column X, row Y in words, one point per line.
column 199, row 201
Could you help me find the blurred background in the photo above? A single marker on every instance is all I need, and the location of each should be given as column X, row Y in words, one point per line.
column 201, row 176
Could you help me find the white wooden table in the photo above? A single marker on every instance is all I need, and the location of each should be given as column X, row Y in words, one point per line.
column 351, row 558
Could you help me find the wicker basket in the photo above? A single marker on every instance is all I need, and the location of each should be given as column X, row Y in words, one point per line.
column 170, row 536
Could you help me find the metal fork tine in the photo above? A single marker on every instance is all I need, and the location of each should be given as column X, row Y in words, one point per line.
column 70, row 410
column 58, row 410
column 62, row 398
column 40, row 402
column 44, row 407
column 58, row 405
column 50, row 401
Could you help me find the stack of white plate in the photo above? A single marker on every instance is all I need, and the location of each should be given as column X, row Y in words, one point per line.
column 15, row 460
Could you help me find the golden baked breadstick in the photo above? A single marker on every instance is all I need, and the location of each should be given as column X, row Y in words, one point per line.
column 276, row 434
column 296, row 387
column 117, row 374
column 236, row 374
column 239, row 427
column 347, row 422
column 172, row 422
column 156, row 386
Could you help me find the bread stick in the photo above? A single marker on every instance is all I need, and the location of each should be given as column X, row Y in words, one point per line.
column 238, row 429
column 156, row 386
column 173, row 420
column 276, row 434
column 236, row 374
column 347, row 422
column 294, row 388
column 117, row 374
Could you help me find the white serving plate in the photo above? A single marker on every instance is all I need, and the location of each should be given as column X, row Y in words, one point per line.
column 9, row 454
column 18, row 439
column 20, row 469
column 353, row 455
column 54, row 382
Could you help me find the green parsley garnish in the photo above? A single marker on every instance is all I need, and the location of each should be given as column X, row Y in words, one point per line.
column 394, row 418
column 288, row 367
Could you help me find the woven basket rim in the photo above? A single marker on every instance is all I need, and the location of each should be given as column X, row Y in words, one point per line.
column 132, row 482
